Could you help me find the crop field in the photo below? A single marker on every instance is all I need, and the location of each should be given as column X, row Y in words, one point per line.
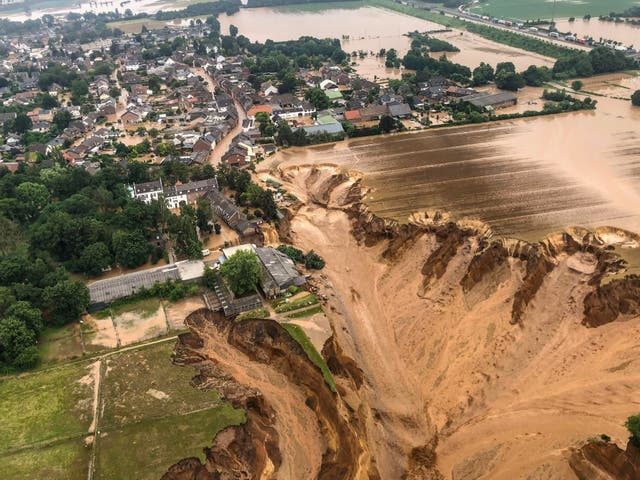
column 544, row 9
column 148, row 417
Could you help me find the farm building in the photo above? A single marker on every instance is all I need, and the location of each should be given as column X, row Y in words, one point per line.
column 493, row 100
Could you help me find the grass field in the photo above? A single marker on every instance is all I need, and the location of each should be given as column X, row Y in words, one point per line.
column 145, row 450
column 299, row 336
column 544, row 9
column 45, row 406
column 149, row 403
column 149, row 418
column 62, row 461
column 135, row 26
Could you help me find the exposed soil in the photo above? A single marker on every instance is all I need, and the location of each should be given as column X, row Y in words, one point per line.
column 442, row 333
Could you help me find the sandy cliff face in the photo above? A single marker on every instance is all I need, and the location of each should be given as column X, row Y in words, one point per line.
column 457, row 354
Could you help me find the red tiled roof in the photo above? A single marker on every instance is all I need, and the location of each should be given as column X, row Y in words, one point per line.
column 259, row 108
column 352, row 114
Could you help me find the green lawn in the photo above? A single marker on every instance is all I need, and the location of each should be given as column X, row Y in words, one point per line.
column 299, row 336
column 534, row 9
column 281, row 306
column 257, row 313
column 305, row 313
column 145, row 450
column 43, row 406
column 63, row 461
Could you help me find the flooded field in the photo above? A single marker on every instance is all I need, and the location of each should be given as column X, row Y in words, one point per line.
column 525, row 178
column 628, row 34
column 370, row 29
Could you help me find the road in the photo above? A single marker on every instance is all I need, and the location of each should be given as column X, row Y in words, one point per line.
column 471, row 18
column 223, row 145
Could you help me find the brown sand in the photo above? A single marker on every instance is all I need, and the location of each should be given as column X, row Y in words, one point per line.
column 506, row 401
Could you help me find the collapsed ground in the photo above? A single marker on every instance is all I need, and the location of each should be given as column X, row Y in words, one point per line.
column 442, row 333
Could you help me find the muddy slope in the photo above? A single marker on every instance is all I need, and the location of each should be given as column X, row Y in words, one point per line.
column 459, row 334
column 276, row 367
column 442, row 333
column 606, row 461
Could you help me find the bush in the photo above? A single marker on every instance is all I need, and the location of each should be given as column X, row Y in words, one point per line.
column 576, row 85
column 314, row 261
column 633, row 425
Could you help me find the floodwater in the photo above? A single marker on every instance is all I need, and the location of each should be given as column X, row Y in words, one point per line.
column 370, row 29
column 525, row 178
column 628, row 34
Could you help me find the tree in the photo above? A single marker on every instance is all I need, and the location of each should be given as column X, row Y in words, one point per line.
column 79, row 88
column 483, row 74
column 576, row 85
column 32, row 198
column 313, row 261
column 16, row 343
column 633, row 425
column 242, row 272
column 317, row 98
column 387, row 123
column 233, row 30
column 48, row 102
column 507, row 80
column 62, row 119
column 635, row 98
column 66, row 300
column 204, row 215
column 505, row 67
column 22, row 123
column 11, row 235
column 130, row 248
column 284, row 134
column 217, row 228
column 95, row 258
column 536, row 76
column 183, row 232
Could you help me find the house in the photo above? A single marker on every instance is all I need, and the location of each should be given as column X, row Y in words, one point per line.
column 175, row 195
column 204, row 144
column 327, row 84
column 278, row 270
column 400, row 110
column 131, row 117
column 251, row 113
column 373, row 112
column 352, row 115
column 267, row 89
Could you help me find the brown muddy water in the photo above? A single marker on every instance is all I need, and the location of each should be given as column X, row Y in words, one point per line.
column 628, row 34
column 525, row 178
column 369, row 29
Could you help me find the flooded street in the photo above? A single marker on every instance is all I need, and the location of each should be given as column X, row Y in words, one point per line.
column 525, row 178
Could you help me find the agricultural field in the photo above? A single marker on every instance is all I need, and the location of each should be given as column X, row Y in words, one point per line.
column 544, row 9
column 146, row 413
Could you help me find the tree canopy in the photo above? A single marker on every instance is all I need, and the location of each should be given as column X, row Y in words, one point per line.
column 242, row 272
